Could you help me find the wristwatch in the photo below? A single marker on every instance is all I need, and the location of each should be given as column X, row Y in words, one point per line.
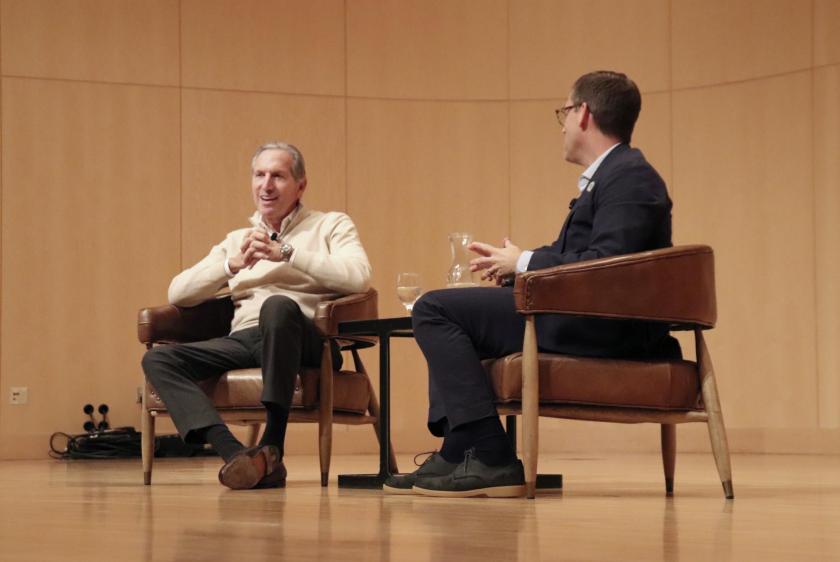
column 286, row 250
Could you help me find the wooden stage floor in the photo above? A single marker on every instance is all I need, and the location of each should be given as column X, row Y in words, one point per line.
column 613, row 508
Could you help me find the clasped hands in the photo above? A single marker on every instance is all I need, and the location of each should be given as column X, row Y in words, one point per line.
column 256, row 246
column 499, row 264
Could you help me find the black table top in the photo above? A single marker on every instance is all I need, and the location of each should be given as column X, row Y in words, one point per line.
column 400, row 325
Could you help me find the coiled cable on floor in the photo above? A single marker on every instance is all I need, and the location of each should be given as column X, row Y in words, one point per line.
column 121, row 443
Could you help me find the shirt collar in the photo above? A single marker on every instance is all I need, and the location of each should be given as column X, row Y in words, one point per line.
column 586, row 177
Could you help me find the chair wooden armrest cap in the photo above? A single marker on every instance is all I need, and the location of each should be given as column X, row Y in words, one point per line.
column 674, row 285
column 358, row 306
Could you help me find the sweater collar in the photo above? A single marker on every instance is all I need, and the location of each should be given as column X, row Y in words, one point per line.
column 286, row 224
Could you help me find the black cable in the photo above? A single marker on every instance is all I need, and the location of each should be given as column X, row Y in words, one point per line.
column 112, row 444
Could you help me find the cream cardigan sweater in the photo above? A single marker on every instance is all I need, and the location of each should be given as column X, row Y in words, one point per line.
column 328, row 261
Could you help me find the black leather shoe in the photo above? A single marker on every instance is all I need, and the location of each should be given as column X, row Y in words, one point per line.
column 250, row 467
column 434, row 465
column 473, row 478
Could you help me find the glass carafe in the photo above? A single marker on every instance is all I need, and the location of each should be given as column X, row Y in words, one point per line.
column 459, row 272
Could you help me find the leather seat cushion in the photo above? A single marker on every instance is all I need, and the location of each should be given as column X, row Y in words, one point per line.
column 664, row 385
column 242, row 389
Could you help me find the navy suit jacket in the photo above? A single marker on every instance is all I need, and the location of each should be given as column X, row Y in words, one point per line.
column 624, row 209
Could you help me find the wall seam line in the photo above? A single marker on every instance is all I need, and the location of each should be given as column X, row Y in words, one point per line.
column 816, row 327
column 2, row 213
column 671, row 96
column 180, row 137
column 509, row 131
column 346, row 113
column 408, row 99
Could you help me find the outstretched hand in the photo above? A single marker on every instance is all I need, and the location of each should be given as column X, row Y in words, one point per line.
column 498, row 264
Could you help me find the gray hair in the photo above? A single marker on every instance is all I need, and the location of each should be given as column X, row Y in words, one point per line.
column 298, row 165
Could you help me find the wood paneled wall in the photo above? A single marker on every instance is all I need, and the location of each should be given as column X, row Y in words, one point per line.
column 127, row 127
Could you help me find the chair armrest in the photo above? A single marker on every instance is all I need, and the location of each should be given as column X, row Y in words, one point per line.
column 358, row 306
column 674, row 285
column 170, row 323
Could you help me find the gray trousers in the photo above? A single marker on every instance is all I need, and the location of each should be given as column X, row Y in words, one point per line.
column 284, row 341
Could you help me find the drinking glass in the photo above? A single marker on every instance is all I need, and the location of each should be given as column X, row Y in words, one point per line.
column 408, row 289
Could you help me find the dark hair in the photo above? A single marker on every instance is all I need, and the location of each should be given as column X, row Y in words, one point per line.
column 613, row 100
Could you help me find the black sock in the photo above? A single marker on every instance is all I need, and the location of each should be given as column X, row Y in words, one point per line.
column 277, row 417
column 487, row 436
column 222, row 440
column 494, row 450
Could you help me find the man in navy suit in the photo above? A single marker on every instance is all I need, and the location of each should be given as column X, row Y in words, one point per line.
column 623, row 207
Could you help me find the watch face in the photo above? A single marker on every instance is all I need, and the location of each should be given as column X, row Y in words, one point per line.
column 286, row 250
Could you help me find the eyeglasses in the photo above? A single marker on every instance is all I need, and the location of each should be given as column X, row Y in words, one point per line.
column 563, row 112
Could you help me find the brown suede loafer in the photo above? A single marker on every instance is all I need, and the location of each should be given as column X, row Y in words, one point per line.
column 250, row 467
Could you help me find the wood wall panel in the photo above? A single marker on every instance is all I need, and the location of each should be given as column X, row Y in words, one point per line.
column 719, row 41
column 745, row 187
column 101, row 40
column 447, row 151
column 288, row 46
column 652, row 134
column 827, row 194
column 552, row 42
column 541, row 182
column 221, row 131
column 427, row 49
column 416, row 172
column 408, row 188
column 90, row 232
column 826, row 32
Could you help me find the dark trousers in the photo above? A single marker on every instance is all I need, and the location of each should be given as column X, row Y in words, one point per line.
column 284, row 341
column 456, row 329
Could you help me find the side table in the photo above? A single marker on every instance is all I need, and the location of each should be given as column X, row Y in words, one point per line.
column 385, row 329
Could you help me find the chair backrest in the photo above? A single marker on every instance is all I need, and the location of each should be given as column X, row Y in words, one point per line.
column 672, row 285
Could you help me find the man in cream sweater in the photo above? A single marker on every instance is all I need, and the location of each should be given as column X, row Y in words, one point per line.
column 278, row 271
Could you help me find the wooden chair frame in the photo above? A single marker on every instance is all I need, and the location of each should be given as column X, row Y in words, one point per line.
column 542, row 291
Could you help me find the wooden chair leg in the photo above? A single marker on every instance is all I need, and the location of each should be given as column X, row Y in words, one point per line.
column 373, row 410
column 717, row 430
column 147, row 442
column 325, row 412
column 530, row 406
column 669, row 455
column 253, row 434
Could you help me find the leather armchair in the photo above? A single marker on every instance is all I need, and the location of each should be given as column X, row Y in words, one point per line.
column 322, row 395
column 675, row 286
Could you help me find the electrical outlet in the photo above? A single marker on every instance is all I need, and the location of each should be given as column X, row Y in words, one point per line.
column 19, row 395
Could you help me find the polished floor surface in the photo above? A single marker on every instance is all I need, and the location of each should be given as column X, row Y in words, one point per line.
column 613, row 508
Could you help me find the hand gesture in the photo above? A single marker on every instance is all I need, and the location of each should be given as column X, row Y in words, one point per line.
column 256, row 246
column 498, row 264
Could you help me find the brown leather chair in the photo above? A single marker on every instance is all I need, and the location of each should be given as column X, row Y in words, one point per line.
column 675, row 286
column 322, row 395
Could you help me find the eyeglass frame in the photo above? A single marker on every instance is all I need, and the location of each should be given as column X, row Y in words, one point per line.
column 563, row 112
